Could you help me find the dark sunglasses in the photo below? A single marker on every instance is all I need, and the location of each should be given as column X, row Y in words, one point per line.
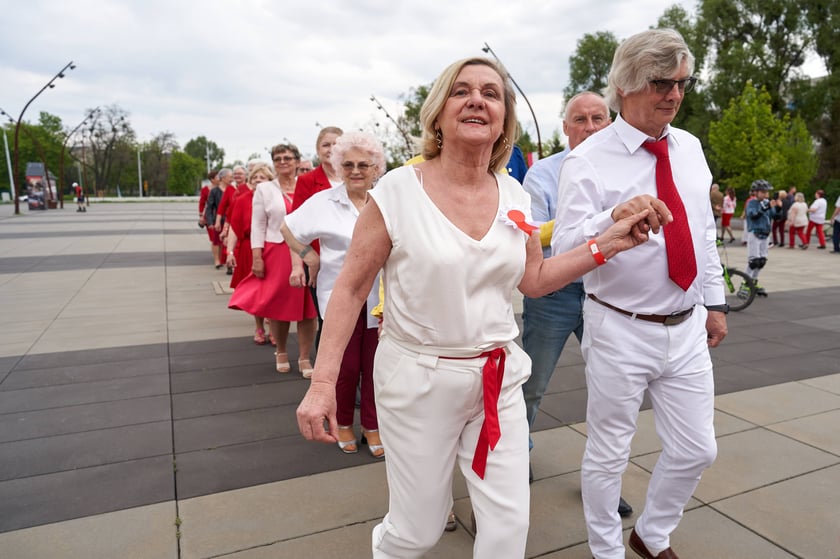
column 665, row 86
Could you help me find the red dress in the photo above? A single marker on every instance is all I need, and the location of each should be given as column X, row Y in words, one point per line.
column 240, row 224
column 272, row 296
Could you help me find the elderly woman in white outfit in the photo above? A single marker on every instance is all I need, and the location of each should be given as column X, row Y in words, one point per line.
column 330, row 216
column 452, row 238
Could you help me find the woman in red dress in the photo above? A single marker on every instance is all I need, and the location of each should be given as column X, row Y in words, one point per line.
column 266, row 291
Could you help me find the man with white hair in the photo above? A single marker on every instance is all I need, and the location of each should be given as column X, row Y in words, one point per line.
column 549, row 320
column 651, row 315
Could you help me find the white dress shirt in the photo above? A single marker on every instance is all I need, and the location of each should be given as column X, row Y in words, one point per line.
column 611, row 167
column 330, row 216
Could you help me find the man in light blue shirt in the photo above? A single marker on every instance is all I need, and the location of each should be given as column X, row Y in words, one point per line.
column 549, row 320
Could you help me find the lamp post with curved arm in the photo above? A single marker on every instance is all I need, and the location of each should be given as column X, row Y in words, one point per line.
column 486, row 48
column 89, row 116
column 40, row 149
column 397, row 124
column 50, row 85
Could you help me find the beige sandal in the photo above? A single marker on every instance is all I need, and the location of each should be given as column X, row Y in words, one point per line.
column 282, row 360
column 305, row 368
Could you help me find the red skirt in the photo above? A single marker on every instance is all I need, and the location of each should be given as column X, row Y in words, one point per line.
column 272, row 296
column 244, row 261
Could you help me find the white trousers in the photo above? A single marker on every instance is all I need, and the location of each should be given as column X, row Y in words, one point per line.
column 625, row 357
column 430, row 412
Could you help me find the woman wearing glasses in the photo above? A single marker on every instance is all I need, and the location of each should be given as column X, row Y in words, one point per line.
column 266, row 291
column 330, row 216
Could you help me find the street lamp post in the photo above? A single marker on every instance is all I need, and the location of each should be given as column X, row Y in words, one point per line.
column 49, row 84
column 40, row 149
column 63, row 148
column 487, row 48
column 139, row 175
column 397, row 124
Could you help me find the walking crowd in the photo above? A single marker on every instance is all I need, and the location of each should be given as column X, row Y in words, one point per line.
column 402, row 282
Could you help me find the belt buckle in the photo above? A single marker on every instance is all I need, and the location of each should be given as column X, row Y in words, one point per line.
column 676, row 318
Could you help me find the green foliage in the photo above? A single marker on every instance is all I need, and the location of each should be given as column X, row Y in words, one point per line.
column 590, row 64
column 764, row 41
column 201, row 148
column 185, row 173
column 749, row 142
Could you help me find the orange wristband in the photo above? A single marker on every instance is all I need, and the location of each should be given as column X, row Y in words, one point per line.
column 596, row 252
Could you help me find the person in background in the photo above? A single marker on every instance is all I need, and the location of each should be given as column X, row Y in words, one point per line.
column 716, row 199
column 211, row 210
column 516, row 165
column 239, row 251
column 213, row 179
column 835, row 227
column 760, row 214
column 266, row 290
column 453, row 240
column 780, row 218
column 304, row 166
column 80, row 197
column 729, row 202
column 816, row 219
column 797, row 220
column 648, row 328
column 548, row 321
column 323, row 177
column 330, row 216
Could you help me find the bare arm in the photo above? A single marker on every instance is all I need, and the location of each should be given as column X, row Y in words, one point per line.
column 544, row 276
column 368, row 251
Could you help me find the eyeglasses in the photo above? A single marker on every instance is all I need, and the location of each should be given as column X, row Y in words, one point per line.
column 665, row 86
column 284, row 158
column 349, row 166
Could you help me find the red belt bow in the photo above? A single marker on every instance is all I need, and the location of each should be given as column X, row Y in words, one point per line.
column 492, row 374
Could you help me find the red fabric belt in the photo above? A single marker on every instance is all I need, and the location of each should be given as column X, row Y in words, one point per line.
column 492, row 374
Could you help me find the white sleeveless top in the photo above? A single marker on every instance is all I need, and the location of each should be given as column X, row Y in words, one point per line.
column 444, row 289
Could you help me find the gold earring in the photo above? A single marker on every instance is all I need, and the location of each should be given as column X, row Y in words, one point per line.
column 439, row 139
column 505, row 140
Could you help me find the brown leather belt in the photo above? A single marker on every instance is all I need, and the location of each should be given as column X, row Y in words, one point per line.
column 666, row 319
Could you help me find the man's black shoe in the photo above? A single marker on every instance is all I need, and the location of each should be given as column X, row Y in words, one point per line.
column 624, row 508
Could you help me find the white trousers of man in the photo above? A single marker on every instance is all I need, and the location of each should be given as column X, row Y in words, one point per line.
column 624, row 357
column 430, row 413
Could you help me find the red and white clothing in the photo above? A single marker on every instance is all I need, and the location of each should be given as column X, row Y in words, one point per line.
column 624, row 356
column 728, row 210
column 449, row 295
column 330, row 216
column 272, row 296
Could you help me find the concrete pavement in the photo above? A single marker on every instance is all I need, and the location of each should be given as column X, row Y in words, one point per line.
column 138, row 420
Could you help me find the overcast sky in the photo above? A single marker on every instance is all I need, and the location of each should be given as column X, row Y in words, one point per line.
column 249, row 73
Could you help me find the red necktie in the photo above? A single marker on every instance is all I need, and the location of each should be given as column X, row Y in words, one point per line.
column 682, row 266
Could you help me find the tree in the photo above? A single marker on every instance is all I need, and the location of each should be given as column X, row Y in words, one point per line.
column 764, row 41
column 108, row 129
column 185, row 173
column 155, row 161
column 749, row 142
column 201, row 148
column 694, row 114
column 590, row 64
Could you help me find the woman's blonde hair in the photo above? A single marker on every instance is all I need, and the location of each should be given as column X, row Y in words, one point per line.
column 438, row 96
column 265, row 168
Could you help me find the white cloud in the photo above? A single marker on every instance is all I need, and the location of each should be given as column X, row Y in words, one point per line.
column 248, row 74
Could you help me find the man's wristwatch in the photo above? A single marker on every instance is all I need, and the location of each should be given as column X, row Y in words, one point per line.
column 724, row 308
